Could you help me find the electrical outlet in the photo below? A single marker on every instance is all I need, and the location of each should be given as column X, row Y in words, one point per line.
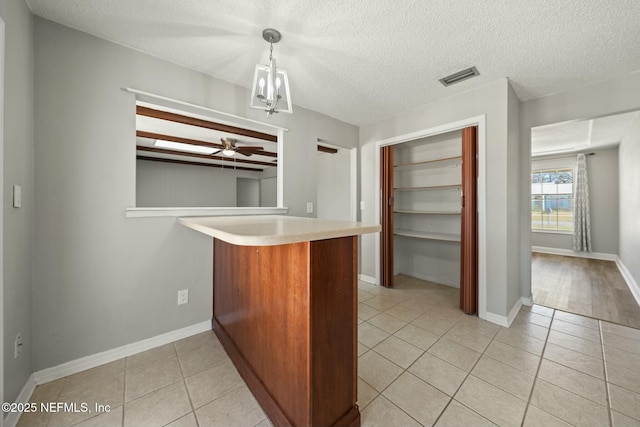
column 309, row 207
column 17, row 346
column 183, row 296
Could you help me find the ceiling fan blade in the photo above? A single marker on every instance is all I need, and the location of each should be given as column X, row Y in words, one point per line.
column 250, row 148
column 216, row 152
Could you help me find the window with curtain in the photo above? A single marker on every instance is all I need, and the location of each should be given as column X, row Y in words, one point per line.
column 552, row 200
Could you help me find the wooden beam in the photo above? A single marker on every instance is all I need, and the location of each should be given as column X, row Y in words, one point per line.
column 152, row 135
column 185, row 162
column 325, row 149
column 192, row 121
column 202, row 156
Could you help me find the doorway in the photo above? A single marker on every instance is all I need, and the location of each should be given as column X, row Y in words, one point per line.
column 586, row 282
column 336, row 192
column 429, row 208
column 480, row 122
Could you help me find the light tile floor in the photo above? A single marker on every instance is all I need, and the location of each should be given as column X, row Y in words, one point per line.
column 421, row 362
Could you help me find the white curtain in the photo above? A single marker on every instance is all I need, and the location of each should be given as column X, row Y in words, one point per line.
column 582, row 217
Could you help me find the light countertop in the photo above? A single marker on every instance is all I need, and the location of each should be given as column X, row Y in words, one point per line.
column 270, row 230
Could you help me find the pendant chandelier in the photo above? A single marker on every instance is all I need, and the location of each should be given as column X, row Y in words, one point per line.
column 270, row 90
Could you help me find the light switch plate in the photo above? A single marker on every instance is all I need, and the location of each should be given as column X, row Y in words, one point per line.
column 17, row 196
column 309, row 207
column 361, row 205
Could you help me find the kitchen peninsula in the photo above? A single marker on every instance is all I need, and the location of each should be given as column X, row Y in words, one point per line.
column 285, row 310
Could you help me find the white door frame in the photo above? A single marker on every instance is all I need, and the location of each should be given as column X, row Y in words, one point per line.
column 353, row 175
column 479, row 121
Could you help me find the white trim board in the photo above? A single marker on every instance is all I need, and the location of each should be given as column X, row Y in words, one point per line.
column 12, row 418
column 78, row 365
column 189, row 211
column 631, row 283
column 569, row 252
column 506, row 321
column 479, row 121
column 367, row 279
column 624, row 271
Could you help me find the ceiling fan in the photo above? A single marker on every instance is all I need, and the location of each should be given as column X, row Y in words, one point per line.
column 231, row 149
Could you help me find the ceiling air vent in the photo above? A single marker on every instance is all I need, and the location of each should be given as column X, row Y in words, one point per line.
column 459, row 76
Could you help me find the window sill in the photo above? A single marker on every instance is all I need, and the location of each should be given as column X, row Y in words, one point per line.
column 180, row 212
column 568, row 233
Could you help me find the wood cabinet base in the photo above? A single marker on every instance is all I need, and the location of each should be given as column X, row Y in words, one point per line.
column 286, row 315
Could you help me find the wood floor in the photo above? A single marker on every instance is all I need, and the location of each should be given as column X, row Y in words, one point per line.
column 589, row 287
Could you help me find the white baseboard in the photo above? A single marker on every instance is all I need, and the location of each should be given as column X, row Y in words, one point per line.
column 367, row 279
column 631, row 283
column 496, row 318
column 506, row 321
column 568, row 252
column 88, row 362
column 12, row 418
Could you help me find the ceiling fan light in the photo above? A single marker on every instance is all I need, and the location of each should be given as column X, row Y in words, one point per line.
column 184, row 147
column 228, row 152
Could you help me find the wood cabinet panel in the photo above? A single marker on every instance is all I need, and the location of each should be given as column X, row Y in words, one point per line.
column 286, row 315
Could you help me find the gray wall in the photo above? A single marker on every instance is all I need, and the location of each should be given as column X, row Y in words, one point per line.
column 494, row 101
column 101, row 280
column 514, row 209
column 170, row 185
column 268, row 192
column 629, row 245
column 334, row 185
column 600, row 99
column 602, row 169
column 248, row 192
column 18, row 169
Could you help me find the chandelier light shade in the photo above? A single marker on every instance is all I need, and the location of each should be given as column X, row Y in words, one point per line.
column 270, row 90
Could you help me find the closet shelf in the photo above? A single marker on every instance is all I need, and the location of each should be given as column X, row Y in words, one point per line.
column 429, row 187
column 407, row 211
column 427, row 164
column 427, row 235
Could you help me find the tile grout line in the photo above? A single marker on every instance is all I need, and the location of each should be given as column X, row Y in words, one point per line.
column 535, row 377
column 451, row 398
column 407, row 370
column 606, row 376
column 184, row 383
column 465, row 378
column 423, row 353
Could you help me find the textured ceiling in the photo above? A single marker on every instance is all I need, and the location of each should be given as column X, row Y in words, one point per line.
column 363, row 60
column 581, row 135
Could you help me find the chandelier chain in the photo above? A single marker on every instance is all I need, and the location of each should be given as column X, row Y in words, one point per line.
column 270, row 48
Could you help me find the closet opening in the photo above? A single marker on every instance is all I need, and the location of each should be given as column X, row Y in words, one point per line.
column 429, row 212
